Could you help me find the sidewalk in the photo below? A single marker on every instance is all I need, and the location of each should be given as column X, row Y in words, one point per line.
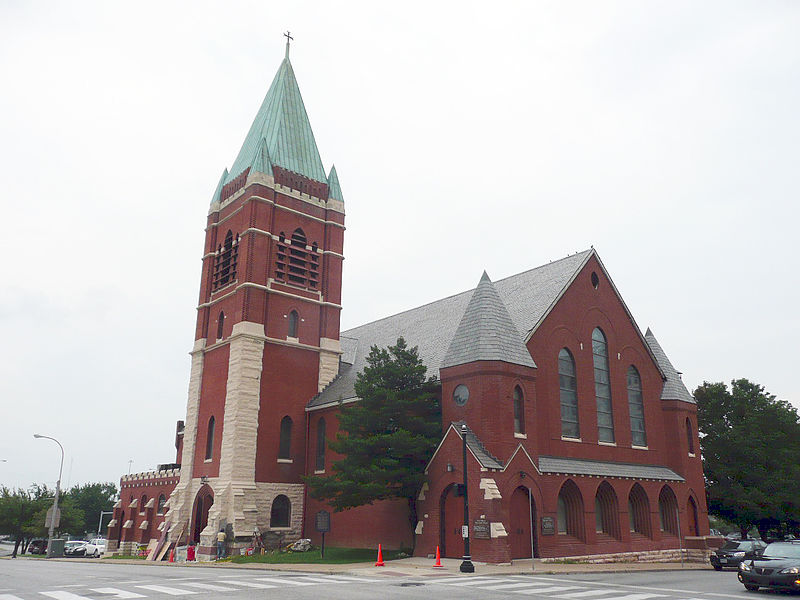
column 423, row 567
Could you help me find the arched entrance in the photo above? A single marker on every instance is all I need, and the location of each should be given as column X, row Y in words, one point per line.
column 451, row 518
column 121, row 522
column 522, row 536
column 202, row 504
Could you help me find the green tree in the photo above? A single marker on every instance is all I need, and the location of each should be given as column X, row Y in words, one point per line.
column 91, row 499
column 751, row 455
column 387, row 438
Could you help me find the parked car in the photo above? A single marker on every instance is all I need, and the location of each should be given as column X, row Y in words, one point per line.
column 733, row 552
column 101, row 544
column 777, row 567
column 81, row 548
column 37, row 547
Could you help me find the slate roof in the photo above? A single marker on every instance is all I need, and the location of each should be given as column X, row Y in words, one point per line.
column 577, row 466
column 486, row 332
column 674, row 388
column 527, row 296
column 282, row 127
column 475, row 446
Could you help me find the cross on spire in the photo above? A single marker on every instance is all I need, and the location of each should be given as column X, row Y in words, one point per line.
column 288, row 36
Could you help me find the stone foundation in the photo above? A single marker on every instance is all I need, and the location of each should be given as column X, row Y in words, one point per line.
column 689, row 555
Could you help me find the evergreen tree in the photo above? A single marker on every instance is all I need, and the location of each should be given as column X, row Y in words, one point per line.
column 386, row 438
column 751, row 455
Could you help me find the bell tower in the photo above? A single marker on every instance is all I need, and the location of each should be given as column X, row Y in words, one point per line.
column 267, row 332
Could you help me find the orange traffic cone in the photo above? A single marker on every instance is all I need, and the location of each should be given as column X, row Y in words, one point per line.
column 172, row 555
column 438, row 562
column 380, row 558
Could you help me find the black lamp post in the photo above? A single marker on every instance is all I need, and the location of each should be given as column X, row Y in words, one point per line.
column 466, row 564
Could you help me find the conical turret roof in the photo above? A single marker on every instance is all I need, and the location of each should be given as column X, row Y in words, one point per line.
column 486, row 332
column 283, row 129
column 674, row 388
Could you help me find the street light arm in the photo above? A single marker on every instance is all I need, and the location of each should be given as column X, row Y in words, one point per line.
column 58, row 491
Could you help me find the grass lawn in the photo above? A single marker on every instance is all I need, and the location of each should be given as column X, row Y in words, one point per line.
column 333, row 556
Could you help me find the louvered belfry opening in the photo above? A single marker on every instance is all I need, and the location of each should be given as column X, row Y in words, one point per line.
column 225, row 261
column 296, row 263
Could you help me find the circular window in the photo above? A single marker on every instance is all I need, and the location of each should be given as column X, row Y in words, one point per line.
column 461, row 395
column 595, row 280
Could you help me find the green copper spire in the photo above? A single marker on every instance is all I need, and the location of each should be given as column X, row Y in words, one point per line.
column 261, row 162
column 334, row 189
column 282, row 124
column 222, row 181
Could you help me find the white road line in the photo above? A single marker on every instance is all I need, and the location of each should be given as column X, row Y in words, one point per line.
column 477, row 581
column 9, row 597
column 318, row 579
column 166, row 590
column 508, row 586
column 250, row 584
column 549, row 590
column 282, row 580
column 588, row 594
column 640, row 587
column 60, row 595
column 348, row 578
column 210, row 586
column 118, row 593
column 637, row 597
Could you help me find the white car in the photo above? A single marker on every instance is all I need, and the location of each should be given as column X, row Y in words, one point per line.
column 81, row 548
column 101, row 544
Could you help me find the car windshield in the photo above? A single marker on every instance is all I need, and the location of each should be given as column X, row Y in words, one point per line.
column 733, row 545
column 782, row 550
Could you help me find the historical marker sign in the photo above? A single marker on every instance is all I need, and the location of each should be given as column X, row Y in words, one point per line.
column 323, row 521
column 481, row 529
column 548, row 526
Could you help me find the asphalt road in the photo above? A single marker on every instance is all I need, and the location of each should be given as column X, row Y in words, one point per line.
column 25, row 579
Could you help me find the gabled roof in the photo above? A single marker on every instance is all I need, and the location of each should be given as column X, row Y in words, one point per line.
column 474, row 445
column 283, row 125
column 486, row 332
column 431, row 327
column 674, row 388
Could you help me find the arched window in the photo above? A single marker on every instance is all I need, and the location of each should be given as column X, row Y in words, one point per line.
column 636, row 407
column 220, row 324
column 295, row 263
column 690, row 435
column 639, row 511
column 519, row 411
column 293, row 319
column 568, row 385
column 691, row 510
column 285, row 443
column 605, row 511
column 225, row 260
column 668, row 511
column 162, row 500
column 281, row 512
column 570, row 510
column 210, row 439
column 144, row 501
column 320, row 455
column 602, row 387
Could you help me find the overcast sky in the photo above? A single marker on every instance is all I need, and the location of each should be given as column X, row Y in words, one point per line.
column 467, row 136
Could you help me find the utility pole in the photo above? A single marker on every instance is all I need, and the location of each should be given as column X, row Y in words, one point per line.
column 55, row 500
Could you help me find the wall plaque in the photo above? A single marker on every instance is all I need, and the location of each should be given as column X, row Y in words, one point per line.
column 548, row 526
column 481, row 529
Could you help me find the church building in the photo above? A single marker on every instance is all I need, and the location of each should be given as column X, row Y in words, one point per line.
column 581, row 437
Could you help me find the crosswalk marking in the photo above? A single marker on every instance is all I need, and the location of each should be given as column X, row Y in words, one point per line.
column 209, row 586
column 167, row 590
column 284, row 580
column 587, row 594
column 250, row 584
column 319, row 580
column 478, row 581
column 549, row 589
column 509, row 586
column 638, row 597
column 9, row 597
column 121, row 594
column 62, row 595
column 349, row 578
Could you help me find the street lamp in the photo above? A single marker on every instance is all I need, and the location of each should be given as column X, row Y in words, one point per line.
column 58, row 491
column 466, row 564
column 100, row 524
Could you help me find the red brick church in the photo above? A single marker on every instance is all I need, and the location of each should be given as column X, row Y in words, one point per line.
column 582, row 439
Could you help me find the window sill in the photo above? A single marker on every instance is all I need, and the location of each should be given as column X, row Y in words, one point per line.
column 286, row 461
column 614, row 444
column 318, row 472
column 692, row 455
column 569, row 439
column 296, row 340
column 521, row 436
column 280, row 528
column 640, row 447
column 208, row 460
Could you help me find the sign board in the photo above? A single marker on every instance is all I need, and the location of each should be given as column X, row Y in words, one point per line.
column 548, row 526
column 464, row 531
column 323, row 521
column 48, row 519
column 481, row 529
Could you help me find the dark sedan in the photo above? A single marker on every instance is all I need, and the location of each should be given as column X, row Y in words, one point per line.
column 733, row 552
column 777, row 567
